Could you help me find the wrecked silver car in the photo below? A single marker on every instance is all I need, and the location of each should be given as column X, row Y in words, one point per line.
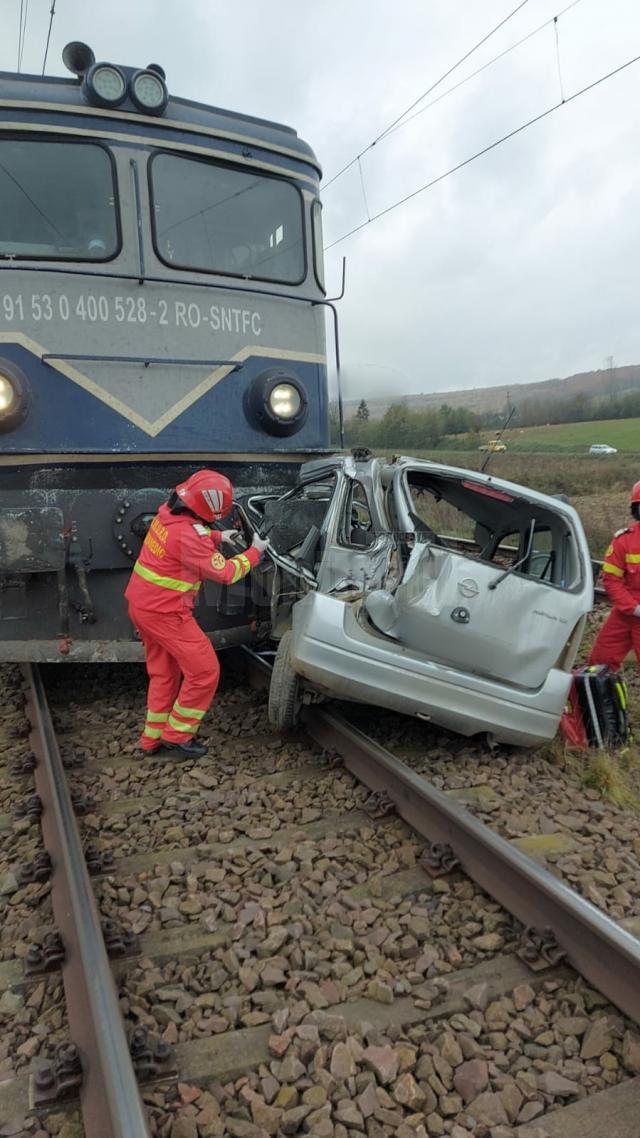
column 440, row 592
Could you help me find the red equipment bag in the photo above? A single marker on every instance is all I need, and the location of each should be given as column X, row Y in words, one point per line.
column 572, row 726
column 596, row 711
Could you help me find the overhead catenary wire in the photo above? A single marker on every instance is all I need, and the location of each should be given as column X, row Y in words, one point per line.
column 24, row 34
column 22, row 30
column 490, row 62
column 558, row 60
column 428, row 91
column 485, row 150
column 52, row 13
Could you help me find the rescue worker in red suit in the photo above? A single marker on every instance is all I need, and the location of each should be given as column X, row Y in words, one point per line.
column 179, row 552
column 621, row 578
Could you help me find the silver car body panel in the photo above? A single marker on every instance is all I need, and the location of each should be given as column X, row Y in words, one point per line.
column 438, row 583
column 342, row 659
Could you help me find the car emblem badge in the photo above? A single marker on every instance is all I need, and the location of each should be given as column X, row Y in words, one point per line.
column 468, row 587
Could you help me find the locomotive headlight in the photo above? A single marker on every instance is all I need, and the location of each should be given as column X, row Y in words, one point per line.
column 14, row 395
column 7, row 395
column 105, row 85
column 276, row 402
column 285, row 401
column 149, row 92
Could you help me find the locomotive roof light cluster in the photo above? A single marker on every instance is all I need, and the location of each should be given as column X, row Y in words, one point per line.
column 106, row 85
column 14, row 396
column 277, row 402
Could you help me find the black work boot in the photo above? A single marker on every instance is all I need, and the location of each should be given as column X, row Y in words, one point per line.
column 187, row 750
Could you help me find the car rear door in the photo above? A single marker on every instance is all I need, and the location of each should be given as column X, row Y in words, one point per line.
column 502, row 606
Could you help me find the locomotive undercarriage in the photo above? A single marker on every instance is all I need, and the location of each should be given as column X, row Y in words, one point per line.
column 69, row 536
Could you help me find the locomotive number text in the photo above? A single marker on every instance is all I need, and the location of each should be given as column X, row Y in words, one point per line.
column 47, row 308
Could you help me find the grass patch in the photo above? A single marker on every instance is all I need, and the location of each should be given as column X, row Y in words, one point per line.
column 560, row 438
column 570, row 474
column 614, row 775
column 624, row 434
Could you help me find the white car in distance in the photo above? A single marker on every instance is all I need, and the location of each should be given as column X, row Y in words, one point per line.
column 602, row 448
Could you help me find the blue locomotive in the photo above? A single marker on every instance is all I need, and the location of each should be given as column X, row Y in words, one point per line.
column 162, row 308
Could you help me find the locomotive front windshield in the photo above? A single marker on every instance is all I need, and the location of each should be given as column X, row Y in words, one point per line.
column 216, row 219
column 57, row 201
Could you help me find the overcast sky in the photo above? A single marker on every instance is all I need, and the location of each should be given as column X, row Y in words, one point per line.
column 522, row 266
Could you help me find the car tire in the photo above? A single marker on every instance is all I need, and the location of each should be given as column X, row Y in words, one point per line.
column 284, row 690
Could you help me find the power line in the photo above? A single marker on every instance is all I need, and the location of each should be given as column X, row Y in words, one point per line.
column 485, row 150
column 424, row 94
column 46, row 50
column 24, row 34
column 484, row 67
column 558, row 60
column 20, row 32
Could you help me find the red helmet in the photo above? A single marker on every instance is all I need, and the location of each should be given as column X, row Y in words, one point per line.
column 207, row 493
column 635, row 492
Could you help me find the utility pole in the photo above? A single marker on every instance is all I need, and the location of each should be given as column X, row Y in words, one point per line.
column 611, row 380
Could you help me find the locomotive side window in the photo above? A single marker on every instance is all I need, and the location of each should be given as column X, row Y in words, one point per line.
column 215, row 219
column 58, row 201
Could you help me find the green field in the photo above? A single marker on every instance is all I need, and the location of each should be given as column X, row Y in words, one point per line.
column 576, row 438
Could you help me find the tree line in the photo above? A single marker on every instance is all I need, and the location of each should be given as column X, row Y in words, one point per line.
column 400, row 426
column 575, row 409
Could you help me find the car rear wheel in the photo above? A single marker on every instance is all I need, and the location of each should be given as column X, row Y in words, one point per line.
column 285, row 696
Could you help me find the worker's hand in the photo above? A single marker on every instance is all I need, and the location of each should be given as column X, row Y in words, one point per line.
column 231, row 535
column 259, row 543
column 636, row 611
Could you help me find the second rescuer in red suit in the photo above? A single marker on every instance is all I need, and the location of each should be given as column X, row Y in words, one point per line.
column 179, row 552
column 621, row 578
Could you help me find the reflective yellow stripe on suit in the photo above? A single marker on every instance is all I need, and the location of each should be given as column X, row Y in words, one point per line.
column 188, row 712
column 608, row 567
column 241, row 566
column 165, row 582
column 189, row 728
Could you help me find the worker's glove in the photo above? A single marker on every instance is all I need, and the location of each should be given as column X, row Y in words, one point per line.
column 230, row 535
column 259, row 543
column 636, row 611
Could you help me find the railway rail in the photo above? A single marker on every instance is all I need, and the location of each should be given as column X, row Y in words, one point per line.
column 290, row 1033
column 607, row 955
column 111, row 1104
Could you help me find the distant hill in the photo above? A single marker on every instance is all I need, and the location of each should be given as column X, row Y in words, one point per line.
column 615, row 381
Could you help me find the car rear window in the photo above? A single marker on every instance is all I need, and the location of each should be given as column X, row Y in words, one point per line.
column 483, row 522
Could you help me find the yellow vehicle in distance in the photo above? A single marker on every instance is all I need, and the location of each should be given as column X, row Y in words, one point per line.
column 494, row 446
